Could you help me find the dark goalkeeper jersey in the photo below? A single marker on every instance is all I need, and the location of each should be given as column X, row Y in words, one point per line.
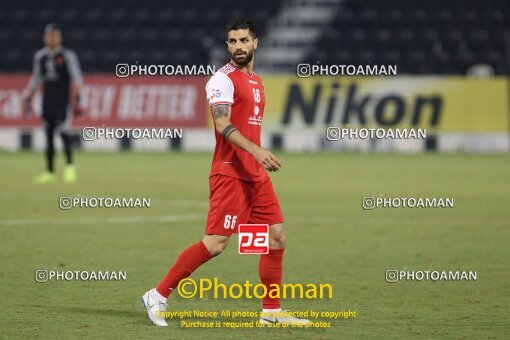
column 56, row 71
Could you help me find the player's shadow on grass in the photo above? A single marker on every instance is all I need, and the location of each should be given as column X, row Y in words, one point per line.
column 131, row 315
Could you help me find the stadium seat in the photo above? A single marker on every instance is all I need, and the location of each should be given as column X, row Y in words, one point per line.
column 108, row 32
column 419, row 36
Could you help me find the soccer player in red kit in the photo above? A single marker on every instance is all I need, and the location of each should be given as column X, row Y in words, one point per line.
column 240, row 188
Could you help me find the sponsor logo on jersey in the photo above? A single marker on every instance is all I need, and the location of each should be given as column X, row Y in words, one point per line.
column 253, row 120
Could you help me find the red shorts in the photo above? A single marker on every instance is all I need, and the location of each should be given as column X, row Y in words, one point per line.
column 233, row 201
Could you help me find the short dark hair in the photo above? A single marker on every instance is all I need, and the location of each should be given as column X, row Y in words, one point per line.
column 242, row 24
column 51, row 27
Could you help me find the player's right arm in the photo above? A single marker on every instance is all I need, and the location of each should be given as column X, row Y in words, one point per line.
column 221, row 115
column 73, row 66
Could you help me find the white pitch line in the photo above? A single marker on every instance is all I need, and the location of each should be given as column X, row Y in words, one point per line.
column 110, row 220
column 190, row 203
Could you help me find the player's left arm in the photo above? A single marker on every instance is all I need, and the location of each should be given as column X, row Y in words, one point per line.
column 75, row 73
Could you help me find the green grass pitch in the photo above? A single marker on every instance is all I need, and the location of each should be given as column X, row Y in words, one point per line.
column 331, row 239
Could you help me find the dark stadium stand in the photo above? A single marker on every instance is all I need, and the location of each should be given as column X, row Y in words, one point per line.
column 105, row 33
column 421, row 37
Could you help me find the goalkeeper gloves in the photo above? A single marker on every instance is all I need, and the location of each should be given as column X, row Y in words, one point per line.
column 77, row 108
column 27, row 107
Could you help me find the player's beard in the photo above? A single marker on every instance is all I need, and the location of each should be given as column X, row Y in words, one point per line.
column 243, row 60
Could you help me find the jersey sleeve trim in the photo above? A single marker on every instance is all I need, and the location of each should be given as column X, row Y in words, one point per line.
column 227, row 68
column 221, row 103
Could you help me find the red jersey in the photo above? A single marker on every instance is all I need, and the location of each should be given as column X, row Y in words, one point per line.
column 245, row 94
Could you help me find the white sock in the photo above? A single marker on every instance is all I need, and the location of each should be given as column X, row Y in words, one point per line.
column 156, row 296
column 277, row 310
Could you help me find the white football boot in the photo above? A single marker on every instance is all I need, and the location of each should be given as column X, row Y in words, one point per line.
column 155, row 309
column 282, row 317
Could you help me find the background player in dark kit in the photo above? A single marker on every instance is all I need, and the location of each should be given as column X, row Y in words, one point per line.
column 56, row 68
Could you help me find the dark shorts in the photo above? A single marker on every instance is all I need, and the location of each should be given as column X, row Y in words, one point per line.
column 62, row 122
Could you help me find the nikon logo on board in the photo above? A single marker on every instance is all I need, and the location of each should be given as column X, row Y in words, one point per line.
column 359, row 107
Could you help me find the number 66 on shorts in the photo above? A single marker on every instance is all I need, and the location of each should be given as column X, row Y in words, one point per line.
column 230, row 222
